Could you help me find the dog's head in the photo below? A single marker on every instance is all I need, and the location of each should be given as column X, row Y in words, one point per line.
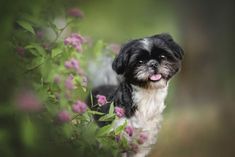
column 149, row 62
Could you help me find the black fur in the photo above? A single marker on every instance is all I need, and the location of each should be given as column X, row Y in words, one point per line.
column 133, row 55
column 120, row 95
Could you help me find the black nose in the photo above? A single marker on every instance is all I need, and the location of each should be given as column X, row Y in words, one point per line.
column 152, row 63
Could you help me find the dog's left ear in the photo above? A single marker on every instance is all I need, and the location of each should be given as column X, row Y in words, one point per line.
column 176, row 49
column 122, row 59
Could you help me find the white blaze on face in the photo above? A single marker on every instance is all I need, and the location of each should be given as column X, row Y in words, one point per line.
column 146, row 44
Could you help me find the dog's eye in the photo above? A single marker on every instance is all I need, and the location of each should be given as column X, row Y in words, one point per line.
column 140, row 61
column 162, row 57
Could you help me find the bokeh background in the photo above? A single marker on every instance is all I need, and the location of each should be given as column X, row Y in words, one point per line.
column 200, row 117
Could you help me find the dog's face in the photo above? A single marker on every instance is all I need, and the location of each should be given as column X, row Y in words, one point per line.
column 149, row 62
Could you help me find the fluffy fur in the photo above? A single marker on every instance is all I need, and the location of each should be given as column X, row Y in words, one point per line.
column 145, row 66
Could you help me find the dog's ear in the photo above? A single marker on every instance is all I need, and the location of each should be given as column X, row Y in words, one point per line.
column 172, row 45
column 122, row 59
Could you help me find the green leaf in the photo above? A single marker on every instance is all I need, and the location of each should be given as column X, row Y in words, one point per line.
column 36, row 47
column 96, row 112
column 27, row 26
column 119, row 129
column 28, row 132
column 111, row 109
column 91, row 97
column 104, row 130
column 56, row 52
column 37, row 62
column 84, row 89
column 54, row 28
column 107, row 117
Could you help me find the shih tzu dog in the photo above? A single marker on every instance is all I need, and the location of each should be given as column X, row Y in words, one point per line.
column 144, row 67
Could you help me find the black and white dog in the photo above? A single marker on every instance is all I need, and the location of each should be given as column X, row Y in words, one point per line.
column 145, row 67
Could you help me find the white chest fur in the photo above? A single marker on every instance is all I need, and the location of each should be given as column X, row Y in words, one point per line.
column 147, row 118
column 150, row 104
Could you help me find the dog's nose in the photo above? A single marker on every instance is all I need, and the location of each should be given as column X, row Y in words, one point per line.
column 152, row 63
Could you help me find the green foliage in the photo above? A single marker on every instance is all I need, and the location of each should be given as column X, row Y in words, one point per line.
column 27, row 26
column 54, row 83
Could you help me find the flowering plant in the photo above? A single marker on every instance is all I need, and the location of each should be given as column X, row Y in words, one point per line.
column 52, row 96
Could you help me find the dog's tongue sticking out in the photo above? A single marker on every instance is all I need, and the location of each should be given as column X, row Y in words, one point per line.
column 155, row 77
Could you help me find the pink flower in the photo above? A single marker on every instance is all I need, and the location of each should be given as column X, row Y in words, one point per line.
column 75, row 12
column 69, row 82
column 64, row 116
column 142, row 138
column 27, row 101
column 72, row 64
column 75, row 40
column 129, row 130
column 120, row 112
column 101, row 100
column 79, row 107
column 68, row 65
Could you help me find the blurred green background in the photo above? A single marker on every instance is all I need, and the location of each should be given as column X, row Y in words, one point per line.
column 200, row 119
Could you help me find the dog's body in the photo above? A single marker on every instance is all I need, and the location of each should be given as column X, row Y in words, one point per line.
column 145, row 66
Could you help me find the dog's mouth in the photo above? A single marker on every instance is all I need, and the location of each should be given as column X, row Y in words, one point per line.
column 155, row 77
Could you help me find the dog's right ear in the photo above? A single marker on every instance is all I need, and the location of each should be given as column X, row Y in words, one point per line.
column 121, row 61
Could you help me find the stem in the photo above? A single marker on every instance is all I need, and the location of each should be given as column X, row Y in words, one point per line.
column 61, row 31
column 75, row 117
column 37, row 66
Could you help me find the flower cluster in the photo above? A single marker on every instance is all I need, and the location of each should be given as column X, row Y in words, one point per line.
column 27, row 101
column 69, row 82
column 72, row 64
column 101, row 100
column 79, row 107
column 75, row 12
column 64, row 116
column 75, row 40
column 129, row 130
column 120, row 112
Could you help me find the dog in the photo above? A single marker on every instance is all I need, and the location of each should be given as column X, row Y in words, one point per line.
column 144, row 67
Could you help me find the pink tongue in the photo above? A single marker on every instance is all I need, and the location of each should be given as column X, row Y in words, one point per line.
column 156, row 77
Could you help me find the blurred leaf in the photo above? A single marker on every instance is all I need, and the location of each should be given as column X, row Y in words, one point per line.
column 91, row 97
column 104, row 130
column 37, row 47
column 96, row 112
column 67, row 129
column 111, row 109
column 124, row 143
column 55, row 52
column 27, row 26
column 120, row 128
column 28, row 132
column 46, row 69
column 3, row 136
column 35, row 63
column 54, row 28
column 107, row 117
